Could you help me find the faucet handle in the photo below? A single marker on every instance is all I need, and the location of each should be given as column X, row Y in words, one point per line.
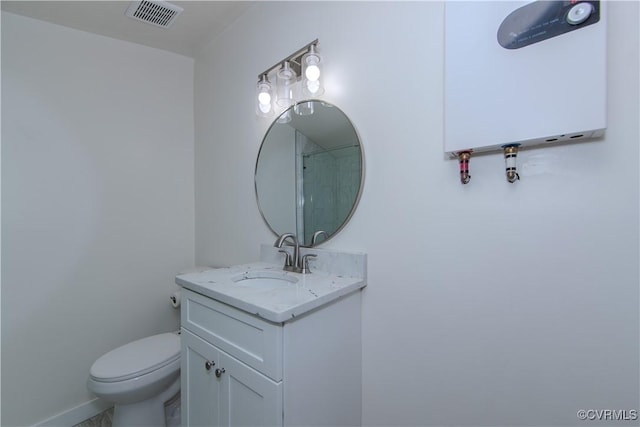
column 305, row 263
column 287, row 260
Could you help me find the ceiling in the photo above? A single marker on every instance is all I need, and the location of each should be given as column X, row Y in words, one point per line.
column 200, row 22
column 328, row 127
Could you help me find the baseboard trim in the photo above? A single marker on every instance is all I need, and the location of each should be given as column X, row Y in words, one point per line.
column 76, row 415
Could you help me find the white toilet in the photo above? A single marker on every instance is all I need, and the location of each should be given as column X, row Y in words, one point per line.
column 139, row 378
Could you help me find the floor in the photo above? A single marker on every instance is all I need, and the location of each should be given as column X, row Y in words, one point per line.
column 103, row 419
column 171, row 410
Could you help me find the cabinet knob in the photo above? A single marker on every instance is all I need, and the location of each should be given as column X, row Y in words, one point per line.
column 208, row 365
column 219, row 372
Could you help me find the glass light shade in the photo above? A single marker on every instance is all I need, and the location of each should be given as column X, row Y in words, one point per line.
column 285, row 117
column 311, row 73
column 264, row 98
column 285, row 79
column 304, row 108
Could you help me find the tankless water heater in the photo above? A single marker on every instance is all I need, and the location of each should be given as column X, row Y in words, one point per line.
column 526, row 73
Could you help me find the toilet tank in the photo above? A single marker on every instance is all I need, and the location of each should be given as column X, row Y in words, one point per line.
column 521, row 72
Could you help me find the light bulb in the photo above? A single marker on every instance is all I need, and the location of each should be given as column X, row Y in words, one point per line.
column 313, row 86
column 312, row 72
column 264, row 107
column 264, row 98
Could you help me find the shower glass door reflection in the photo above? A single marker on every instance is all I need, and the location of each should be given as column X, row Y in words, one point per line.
column 328, row 181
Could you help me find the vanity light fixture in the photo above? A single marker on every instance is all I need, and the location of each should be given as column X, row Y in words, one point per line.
column 303, row 66
column 311, row 73
column 264, row 96
column 286, row 78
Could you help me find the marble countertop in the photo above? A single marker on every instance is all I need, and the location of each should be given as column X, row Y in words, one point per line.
column 274, row 303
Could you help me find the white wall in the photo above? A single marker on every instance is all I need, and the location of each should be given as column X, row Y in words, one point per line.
column 488, row 304
column 97, row 199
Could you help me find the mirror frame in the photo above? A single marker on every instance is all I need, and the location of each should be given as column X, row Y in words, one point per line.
column 356, row 202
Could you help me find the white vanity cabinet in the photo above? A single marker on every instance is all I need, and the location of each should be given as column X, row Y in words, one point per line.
column 239, row 369
column 222, row 391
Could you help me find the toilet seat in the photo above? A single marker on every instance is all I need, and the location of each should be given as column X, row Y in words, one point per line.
column 137, row 358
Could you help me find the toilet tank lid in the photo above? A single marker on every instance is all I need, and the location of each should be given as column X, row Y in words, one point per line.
column 137, row 358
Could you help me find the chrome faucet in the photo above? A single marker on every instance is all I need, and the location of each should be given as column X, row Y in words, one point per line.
column 293, row 262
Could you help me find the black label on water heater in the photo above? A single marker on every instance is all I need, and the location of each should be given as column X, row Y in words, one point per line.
column 542, row 20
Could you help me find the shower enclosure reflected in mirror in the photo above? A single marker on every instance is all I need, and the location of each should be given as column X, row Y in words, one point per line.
column 309, row 172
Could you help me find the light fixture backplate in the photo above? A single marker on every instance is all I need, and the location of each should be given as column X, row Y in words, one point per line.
column 295, row 61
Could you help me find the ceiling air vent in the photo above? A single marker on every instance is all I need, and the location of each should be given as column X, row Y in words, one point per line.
column 157, row 12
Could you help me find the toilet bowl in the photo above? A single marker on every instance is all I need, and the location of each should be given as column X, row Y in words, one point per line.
column 138, row 378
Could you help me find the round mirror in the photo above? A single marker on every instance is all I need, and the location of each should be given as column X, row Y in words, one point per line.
column 309, row 172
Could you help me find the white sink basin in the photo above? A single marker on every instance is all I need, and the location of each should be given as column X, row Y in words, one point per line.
column 265, row 290
column 264, row 279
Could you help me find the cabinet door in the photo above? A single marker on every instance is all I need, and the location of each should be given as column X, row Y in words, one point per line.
column 247, row 397
column 200, row 393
